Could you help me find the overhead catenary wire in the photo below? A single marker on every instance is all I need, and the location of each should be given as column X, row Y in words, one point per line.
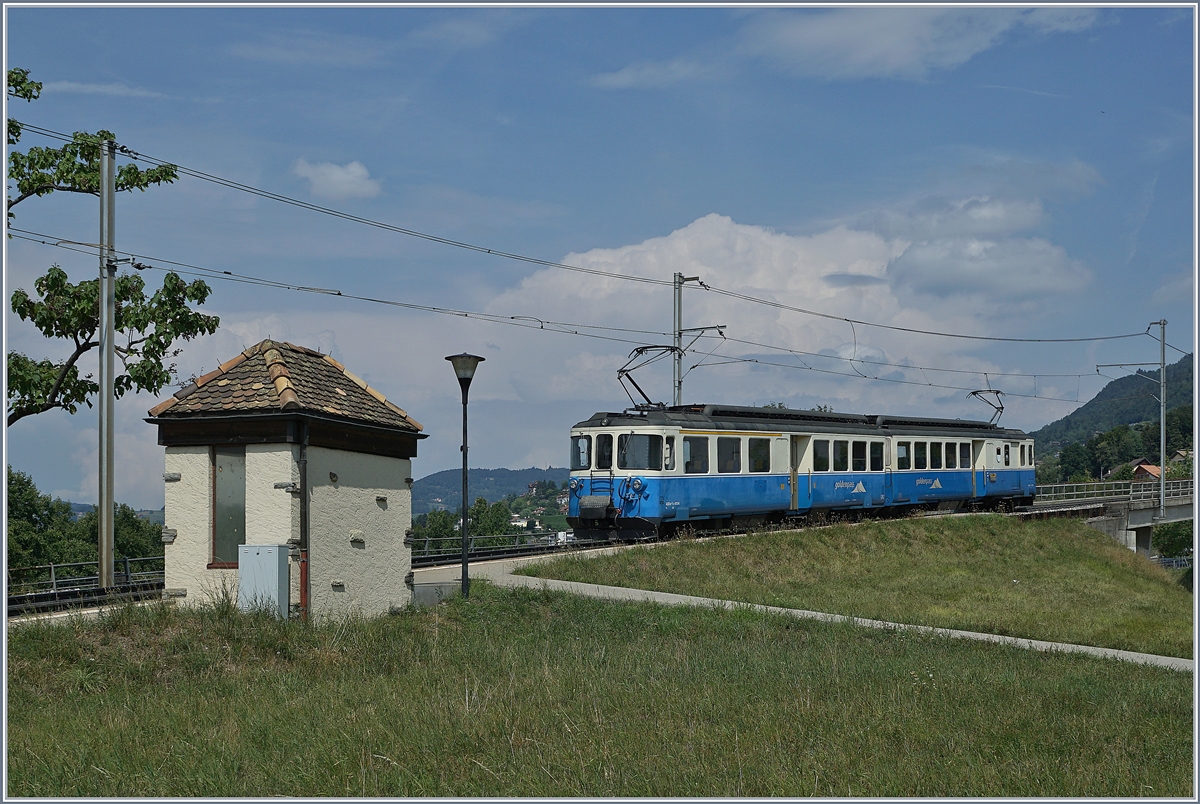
column 235, row 185
column 521, row 321
column 532, row 322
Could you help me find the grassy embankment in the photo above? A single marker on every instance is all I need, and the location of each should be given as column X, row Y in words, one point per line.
column 1057, row 580
column 523, row 693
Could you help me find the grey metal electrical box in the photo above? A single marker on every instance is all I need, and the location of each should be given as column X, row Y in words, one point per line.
column 263, row 578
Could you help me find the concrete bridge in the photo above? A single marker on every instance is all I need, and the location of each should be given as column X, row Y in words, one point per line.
column 1124, row 510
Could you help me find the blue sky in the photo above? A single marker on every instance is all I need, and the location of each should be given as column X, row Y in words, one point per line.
column 990, row 171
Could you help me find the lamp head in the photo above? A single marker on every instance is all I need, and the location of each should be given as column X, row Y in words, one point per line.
column 464, row 365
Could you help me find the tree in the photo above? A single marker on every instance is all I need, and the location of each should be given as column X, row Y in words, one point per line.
column 73, row 168
column 1073, row 461
column 150, row 326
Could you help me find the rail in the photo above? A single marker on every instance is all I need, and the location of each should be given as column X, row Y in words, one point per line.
column 1114, row 490
column 435, row 551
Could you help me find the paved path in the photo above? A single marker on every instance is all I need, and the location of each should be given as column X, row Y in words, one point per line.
column 501, row 573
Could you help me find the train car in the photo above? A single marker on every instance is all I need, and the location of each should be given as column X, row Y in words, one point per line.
column 641, row 474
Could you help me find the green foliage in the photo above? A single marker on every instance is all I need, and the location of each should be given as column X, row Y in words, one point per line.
column 1074, row 461
column 823, row 408
column 1173, row 539
column 150, row 326
column 777, row 406
column 489, row 520
column 445, row 488
column 1127, row 400
column 72, row 168
column 1048, row 471
column 19, row 86
column 40, row 529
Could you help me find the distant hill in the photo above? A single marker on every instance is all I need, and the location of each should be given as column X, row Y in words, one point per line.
column 444, row 489
column 1127, row 400
column 157, row 517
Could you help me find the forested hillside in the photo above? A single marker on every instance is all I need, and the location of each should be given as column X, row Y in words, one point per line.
column 443, row 490
column 1127, row 400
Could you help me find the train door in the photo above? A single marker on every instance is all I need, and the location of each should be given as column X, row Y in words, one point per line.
column 887, row 471
column 799, row 448
column 978, row 466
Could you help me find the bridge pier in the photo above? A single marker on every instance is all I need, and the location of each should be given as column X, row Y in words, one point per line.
column 1117, row 526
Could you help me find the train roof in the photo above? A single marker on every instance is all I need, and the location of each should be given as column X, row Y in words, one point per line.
column 734, row 417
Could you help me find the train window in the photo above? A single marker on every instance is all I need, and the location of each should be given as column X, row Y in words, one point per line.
column 1022, row 455
column 581, row 452
column 935, row 455
column 729, row 455
column 876, row 456
column 902, row 454
column 964, row 455
column 950, row 450
column 820, row 456
column 669, row 454
column 841, row 456
column 1030, row 455
column 695, row 455
column 1006, row 454
column 604, row 451
column 858, row 456
column 636, row 451
column 997, row 453
column 919, row 449
column 760, row 455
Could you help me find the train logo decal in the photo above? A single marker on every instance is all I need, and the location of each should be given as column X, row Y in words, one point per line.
column 935, row 483
column 855, row 488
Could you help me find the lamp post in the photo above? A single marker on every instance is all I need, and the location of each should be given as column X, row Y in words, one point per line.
column 464, row 369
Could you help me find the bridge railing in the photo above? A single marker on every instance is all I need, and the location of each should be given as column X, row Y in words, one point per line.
column 1067, row 492
column 1112, row 490
column 1150, row 491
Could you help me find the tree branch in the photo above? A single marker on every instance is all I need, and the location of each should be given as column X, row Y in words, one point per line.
column 43, row 187
column 62, row 374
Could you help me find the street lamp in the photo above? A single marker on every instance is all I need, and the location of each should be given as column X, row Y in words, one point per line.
column 464, row 369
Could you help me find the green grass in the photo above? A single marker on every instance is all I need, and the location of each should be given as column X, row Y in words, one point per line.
column 530, row 693
column 1057, row 580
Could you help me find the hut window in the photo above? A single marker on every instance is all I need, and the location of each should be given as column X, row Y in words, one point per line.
column 229, row 504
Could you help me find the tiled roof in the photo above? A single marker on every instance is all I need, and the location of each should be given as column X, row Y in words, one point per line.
column 274, row 376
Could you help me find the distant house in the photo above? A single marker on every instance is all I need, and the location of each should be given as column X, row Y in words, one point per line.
column 283, row 446
column 1134, row 464
column 1146, row 471
column 1181, row 455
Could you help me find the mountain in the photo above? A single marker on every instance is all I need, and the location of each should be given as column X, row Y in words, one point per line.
column 444, row 489
column 1127, row 400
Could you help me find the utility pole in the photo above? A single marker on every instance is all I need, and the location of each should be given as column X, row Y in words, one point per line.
column 108, row 278
column 1162, row 419
column 677, row 384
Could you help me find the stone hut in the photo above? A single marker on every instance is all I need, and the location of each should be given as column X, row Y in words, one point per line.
column 283, row 446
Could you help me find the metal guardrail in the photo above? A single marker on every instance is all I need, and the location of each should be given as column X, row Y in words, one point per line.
column 1180, row 562
column 1115, row 490
column 448, row 549
column 82, row 575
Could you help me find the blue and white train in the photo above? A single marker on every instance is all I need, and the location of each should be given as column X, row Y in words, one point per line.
column 642, row 474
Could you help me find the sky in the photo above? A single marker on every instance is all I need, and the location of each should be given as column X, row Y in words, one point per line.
column 987, row 171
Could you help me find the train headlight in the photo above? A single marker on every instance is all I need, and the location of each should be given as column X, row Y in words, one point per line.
column 574, row 484
column 637, row 484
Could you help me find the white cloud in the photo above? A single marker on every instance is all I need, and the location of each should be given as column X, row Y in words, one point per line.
column 118, row 90
column 314, row 47
column 462, row 33
column 906, row 43
column 1060, row 20
column 328, row 180
column 649, row 75
column 1180, row 286
column 1004, row 269
column 941, row 217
